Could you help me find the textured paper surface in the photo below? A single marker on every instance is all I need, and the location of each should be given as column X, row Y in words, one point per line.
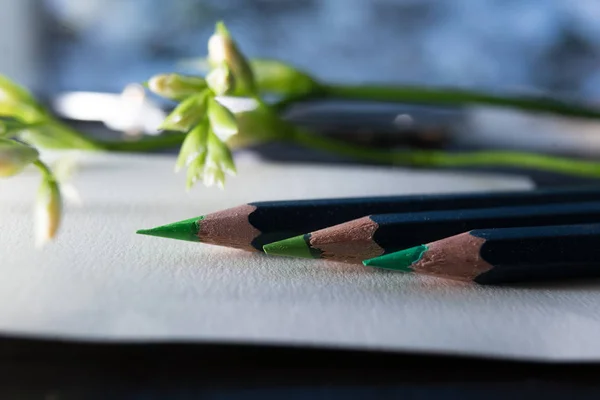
column 101, row 281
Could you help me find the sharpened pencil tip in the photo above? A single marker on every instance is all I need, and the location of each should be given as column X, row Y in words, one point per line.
column 296, row 246
column 181, row 230
column 398, row 261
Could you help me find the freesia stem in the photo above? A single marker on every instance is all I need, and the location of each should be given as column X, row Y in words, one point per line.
column 163, row 141
column 43, row 168
column 434, row 158
column 411, row 157
column 453, row 97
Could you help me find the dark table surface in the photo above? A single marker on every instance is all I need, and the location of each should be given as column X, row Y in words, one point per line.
column 55, row 369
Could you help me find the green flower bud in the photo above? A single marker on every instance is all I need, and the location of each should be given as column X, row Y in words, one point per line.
column 221, row 81
column 213, row 174
column 48, row 210
column 195, row 170
column 270, row 76
column 222, row 50
column 193, row 145
column 15, row 156
column 220, row 155
column 211, row 163
column 175, row 86
column 187, row 114
column 277, row 77
column 222, row 121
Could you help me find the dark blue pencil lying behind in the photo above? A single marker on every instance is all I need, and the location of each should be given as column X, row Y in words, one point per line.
column 375, row 235
column 503, row 255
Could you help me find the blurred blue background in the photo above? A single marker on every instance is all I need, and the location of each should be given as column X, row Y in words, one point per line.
column 103, row 45
column 66, row 49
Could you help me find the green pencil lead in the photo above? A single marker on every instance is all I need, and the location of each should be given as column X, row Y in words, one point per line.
column 296, row 246
column 398, row 261
column 182, row 230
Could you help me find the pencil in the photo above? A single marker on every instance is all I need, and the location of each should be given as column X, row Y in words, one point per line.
column 251, row 226
column 375, row 235
column 505, row 255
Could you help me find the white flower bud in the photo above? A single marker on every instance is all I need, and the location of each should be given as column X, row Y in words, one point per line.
column 15, row 156
column 221, row 80
column 222, row 50
column 48, row 210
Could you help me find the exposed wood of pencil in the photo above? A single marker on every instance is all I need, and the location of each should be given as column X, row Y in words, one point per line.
column 373, row 236
column 251, row 226
column 492, row 256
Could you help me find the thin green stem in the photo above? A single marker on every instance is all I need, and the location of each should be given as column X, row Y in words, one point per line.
column 44, row 169
column 434, row 158
column 163, row 141
column 455, row 97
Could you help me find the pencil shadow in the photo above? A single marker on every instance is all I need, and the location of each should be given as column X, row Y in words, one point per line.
column 289, row 268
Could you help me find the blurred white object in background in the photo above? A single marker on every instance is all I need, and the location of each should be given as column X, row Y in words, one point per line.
column 130, row 112
column 514, row 129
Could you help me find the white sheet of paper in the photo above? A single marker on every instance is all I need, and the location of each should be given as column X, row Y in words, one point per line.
column 100, row 281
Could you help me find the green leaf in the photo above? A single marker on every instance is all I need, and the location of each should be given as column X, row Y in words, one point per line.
column 187, row 114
